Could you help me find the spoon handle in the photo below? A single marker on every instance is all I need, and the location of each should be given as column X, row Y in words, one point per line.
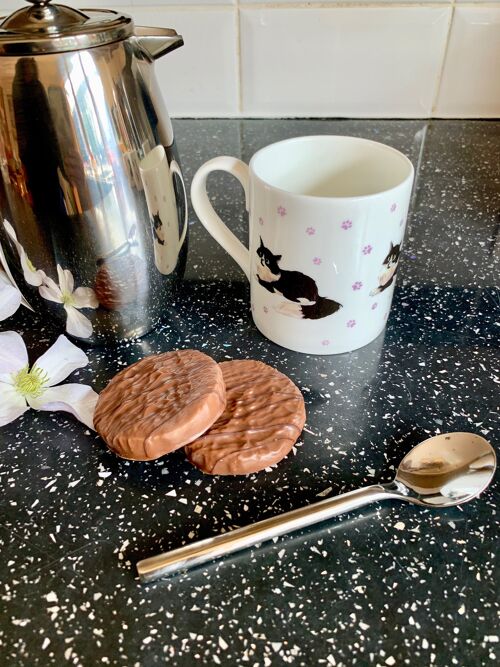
column 200, row 552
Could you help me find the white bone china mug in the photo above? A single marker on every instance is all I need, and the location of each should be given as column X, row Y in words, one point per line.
column 327, row 217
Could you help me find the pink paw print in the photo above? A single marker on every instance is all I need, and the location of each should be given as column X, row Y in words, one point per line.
column 325, row 342
column 347, row 224
column 351, row 324
column 265, row 309
column 317, row 261
column 393, row 208
column 357, row 285
column 367, row 249
column 281, row 211
column 310, row 231
column 261, row 221
column 374, row 305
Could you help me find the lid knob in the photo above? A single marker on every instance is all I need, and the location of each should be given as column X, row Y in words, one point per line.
column 42, row 27
column 40, row 18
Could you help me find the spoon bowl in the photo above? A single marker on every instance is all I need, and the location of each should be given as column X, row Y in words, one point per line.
column 448, row 469
column 445, row 470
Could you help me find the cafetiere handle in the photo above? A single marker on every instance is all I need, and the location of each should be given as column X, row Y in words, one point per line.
column 205, row 211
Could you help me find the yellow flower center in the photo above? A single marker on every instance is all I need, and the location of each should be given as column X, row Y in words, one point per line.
column 31, row 382
column 67, row 299
column 29, row 264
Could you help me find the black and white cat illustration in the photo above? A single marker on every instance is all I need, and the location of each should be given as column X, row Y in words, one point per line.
column 388, row 275
column 157, row 228
column 301, row 291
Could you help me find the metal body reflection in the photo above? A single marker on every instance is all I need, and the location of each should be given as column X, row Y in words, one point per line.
column 74, row 128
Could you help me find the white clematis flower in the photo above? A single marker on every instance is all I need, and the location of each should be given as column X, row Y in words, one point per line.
column 10, row 297
column 22, row 387
column 32, row 276
column 72, row 299
column 7, row 274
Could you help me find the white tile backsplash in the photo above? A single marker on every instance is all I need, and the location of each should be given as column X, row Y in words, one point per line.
column 182, row 3
column 360, row 58
column 326, row 62
column 271, row 3
column 470, row 85
column 200, row 78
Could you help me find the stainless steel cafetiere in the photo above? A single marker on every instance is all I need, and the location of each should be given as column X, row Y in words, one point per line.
column 93, row 210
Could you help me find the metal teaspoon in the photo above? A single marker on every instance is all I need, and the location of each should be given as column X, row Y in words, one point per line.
column 442, row 471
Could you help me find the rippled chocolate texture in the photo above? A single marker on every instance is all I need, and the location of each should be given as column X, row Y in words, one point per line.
column 119, row 281
column 160, row 404
column 263, row 419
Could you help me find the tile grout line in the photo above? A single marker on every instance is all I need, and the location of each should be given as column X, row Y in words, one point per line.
column 341, row 4
column 439, row 81
column 239, row 73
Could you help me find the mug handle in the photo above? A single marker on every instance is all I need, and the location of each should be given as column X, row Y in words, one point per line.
column 175, row 169
column 205, row 211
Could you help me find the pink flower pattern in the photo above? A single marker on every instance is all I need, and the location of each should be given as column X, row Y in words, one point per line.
column 367, row 249
column 317, row 261
column 281, row 211
column 374, row 305
column 310, row 231
column 325, row 342
column 357, row 285
column 351, row 324
column 347, row 224
column 393, row 208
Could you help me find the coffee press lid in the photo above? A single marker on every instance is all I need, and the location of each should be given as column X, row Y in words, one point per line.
column 45, row 28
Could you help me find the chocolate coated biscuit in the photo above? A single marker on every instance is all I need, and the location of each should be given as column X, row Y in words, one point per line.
column 263, row 418
column 160, row 404
column 120, row 281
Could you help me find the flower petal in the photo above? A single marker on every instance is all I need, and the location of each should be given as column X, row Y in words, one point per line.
column 79, row 399
column 7, row 270
column 50, row 290
column 12, row 404
column 66, row 282
column 85, row 297
column 60, row 360
column 77, row 324
column 12, row 233
column 13, row 355
column 4, row 268
column 31, row 275
column 10, row 297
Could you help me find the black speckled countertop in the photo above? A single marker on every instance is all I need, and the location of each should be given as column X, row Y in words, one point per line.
column 389, row 585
